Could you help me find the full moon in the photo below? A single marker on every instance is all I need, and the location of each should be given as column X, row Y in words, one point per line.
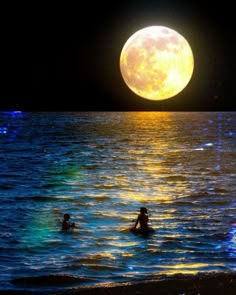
column 156, row 63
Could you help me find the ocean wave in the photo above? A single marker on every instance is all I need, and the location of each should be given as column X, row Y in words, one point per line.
column 101, row 176
column 36, row 198
column 6, row 186
column 175, row 178
column 50, row 280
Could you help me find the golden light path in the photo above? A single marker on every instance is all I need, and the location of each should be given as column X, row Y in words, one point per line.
column 156, row 63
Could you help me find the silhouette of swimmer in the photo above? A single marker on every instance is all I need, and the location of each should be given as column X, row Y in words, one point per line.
column 66, row 224
column 142, row 222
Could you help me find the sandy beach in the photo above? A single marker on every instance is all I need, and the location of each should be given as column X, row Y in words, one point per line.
column 213, row 283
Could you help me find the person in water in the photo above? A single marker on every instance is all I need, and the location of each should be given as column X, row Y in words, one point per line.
column 66, row 224
column 142, row 220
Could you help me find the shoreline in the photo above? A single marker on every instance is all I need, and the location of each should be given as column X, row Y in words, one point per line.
column 202, row 283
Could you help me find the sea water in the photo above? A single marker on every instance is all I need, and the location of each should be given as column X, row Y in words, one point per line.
column 101, row 167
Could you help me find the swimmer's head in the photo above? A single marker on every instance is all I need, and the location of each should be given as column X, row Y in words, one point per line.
column 66, row 216
column 143, row 210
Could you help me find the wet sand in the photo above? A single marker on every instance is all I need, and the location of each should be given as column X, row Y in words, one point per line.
column 213, row 283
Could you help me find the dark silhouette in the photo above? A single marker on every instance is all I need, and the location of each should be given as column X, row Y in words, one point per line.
column 142, row 219
column 142, row 222
column 66, row 224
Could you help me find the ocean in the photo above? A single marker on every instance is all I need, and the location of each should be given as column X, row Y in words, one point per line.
column 101, row 167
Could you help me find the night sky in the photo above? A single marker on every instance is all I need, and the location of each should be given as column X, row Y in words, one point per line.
column 65, row 57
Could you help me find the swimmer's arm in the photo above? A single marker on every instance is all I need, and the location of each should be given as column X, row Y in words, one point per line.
column 72, row 225
column 136, row 223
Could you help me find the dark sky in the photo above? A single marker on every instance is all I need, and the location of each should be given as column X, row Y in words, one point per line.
column 66, row 56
